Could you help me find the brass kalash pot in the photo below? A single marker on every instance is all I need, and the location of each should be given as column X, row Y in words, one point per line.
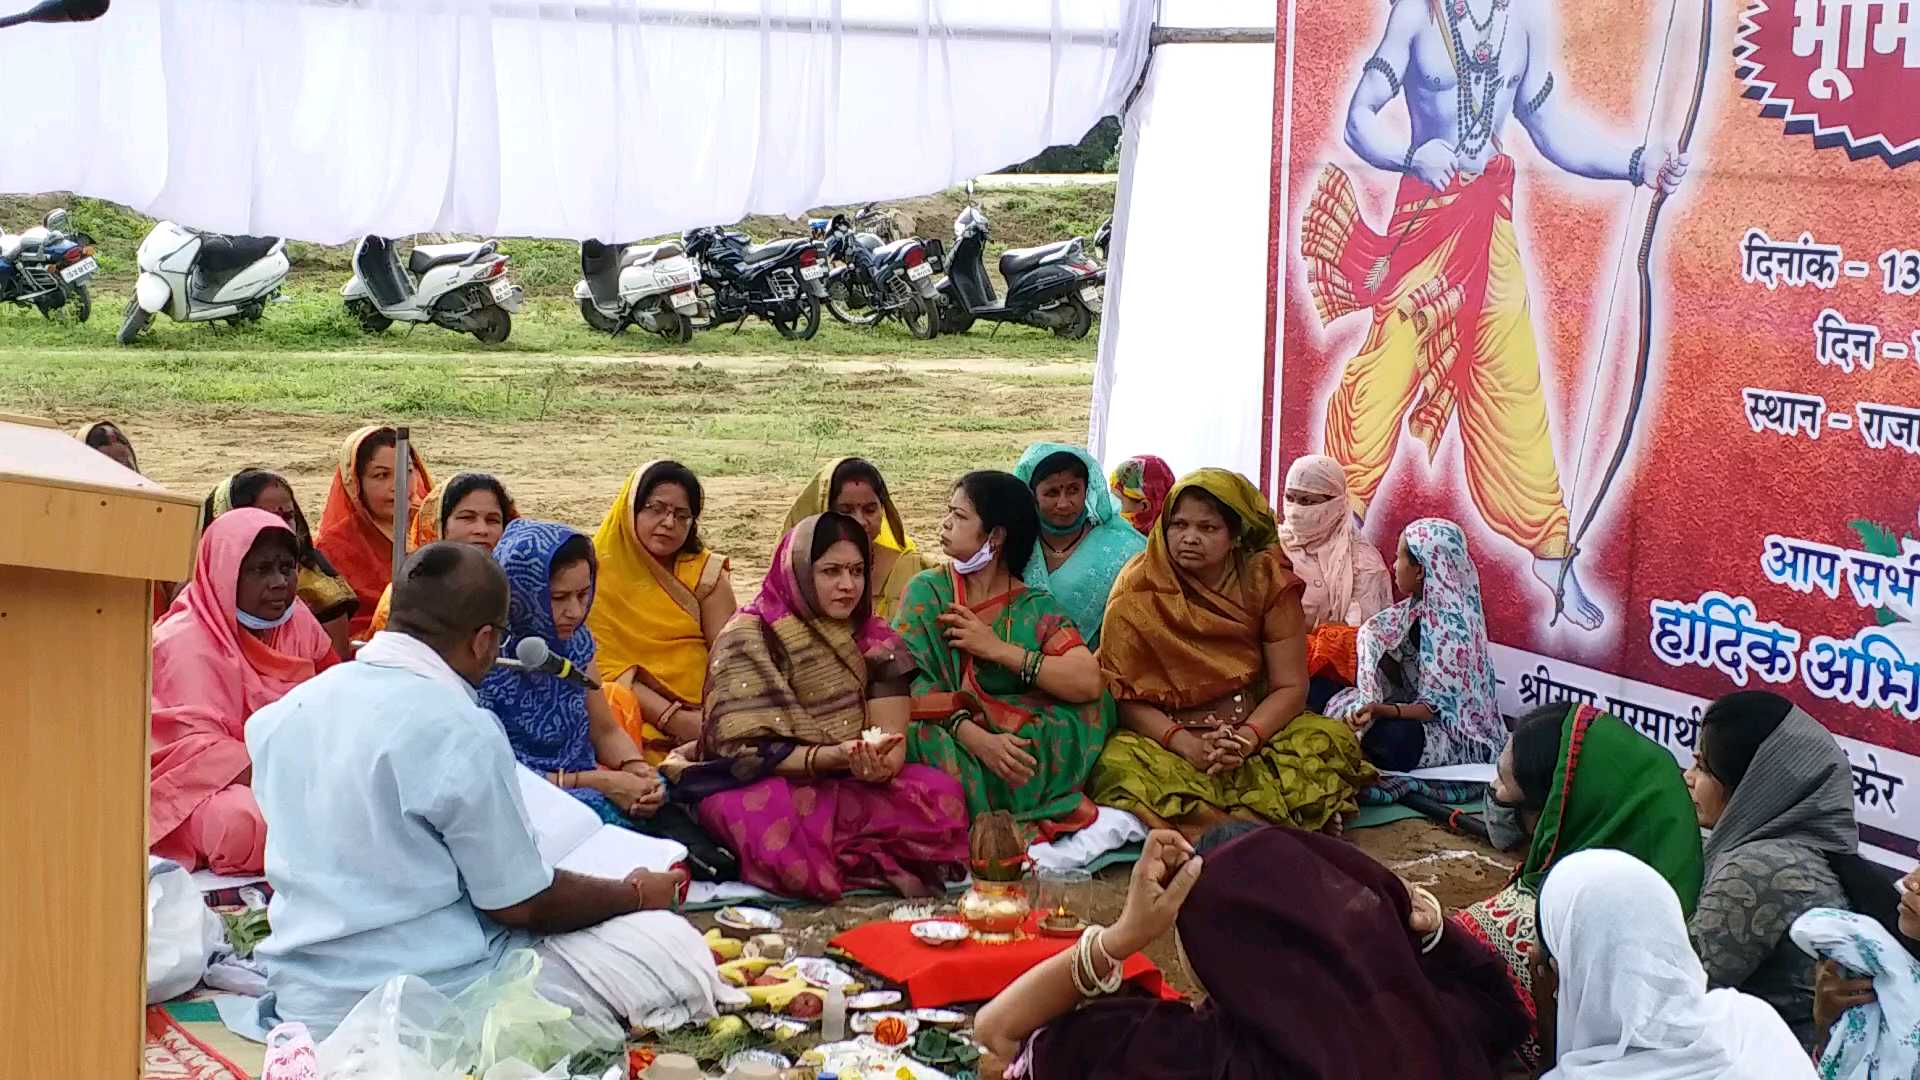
column 996, row 906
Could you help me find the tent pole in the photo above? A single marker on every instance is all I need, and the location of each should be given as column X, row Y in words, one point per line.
column 402, row 500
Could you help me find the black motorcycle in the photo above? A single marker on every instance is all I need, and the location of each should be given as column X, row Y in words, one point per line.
column 870, row 280
column 1056, row 286
column 782, row 282
column 48, row 268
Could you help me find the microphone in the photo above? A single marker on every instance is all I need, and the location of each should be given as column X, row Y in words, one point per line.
column 53, row 11
column 534, row 655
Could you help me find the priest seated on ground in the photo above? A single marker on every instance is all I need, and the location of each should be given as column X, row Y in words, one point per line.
column 399, row 843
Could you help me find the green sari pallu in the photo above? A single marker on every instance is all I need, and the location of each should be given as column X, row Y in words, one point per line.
column 1065, row 739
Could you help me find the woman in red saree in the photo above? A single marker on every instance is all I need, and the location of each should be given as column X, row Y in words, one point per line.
column 235, row 640
column 356, row 527
column 804, row 772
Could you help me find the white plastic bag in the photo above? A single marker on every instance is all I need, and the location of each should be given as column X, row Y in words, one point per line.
column 498, row 1027
column 182, row 932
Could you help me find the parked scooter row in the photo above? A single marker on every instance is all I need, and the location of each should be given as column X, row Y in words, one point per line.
column 48, row 267
column 710, row 277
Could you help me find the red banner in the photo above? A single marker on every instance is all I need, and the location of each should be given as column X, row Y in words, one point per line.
column 1630, row 292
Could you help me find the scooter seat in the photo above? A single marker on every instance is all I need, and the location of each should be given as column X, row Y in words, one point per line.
column 1020, row 260
column 773, row 250
column 636, row 254
column 9, row 245
column 221, row 253
column 427, row 256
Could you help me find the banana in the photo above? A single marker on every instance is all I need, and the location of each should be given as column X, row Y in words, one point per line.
column 778, row 996
column 724, row 947
column 740, row 972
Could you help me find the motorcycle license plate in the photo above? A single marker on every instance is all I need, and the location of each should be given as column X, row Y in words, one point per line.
column 85, row 268
column 502, row 290
column 813, row 272
column 1092, row 296
column 920, row 272
column 685, row 300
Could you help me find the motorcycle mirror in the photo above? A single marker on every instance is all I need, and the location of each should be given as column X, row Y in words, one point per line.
column 58, row 11
column 969, row 188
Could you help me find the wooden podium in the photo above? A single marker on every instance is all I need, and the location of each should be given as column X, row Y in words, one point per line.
column 81, row 541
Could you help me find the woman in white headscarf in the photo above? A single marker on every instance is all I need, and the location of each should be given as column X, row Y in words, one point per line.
column 1621, row 994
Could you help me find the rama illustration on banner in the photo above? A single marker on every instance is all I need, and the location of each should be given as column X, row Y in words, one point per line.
column 1452, row 335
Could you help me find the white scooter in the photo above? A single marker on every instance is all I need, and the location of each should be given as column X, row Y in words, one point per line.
column 199, row 277
column 461, row 286
column 652, row 286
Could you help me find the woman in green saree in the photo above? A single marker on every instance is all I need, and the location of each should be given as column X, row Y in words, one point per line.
column 1573, row 778
column 1008, row 700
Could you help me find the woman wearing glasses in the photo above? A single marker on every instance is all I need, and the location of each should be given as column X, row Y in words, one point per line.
column 662, row 598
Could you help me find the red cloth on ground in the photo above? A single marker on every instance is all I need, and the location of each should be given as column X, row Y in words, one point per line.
column 971, row 970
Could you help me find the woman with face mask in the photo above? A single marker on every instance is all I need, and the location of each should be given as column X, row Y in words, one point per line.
column 802, row 764
column 1346, row 580
column 1573, row 778
column 1205, row 646
column 236, row 640
column 321, row 588
column 1084, row 542
column 1008, row 700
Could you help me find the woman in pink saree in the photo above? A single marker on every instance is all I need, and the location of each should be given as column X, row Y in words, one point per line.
column 236, row 639
column 803, row 767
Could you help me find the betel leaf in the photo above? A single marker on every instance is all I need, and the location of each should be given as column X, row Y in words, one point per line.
column 1878, row 539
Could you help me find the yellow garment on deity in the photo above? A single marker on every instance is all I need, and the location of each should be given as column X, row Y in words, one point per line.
column 1411, row 363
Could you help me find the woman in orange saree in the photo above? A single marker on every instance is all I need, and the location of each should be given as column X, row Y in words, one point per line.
column 356, row 527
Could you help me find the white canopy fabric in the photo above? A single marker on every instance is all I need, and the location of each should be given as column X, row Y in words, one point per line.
column 1183, row 339
column 325, row 119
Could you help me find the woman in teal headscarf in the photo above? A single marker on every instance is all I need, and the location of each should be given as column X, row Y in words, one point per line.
column 1084, row 539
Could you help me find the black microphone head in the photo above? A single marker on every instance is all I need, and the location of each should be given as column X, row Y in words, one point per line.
column 532, row 653
column 53, row 11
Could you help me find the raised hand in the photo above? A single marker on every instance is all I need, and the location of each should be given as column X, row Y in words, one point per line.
column 1163, row 877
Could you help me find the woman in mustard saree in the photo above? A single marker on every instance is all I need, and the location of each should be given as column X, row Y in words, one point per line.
column 1205, row 648
column 663, row 598
column 1008, row 698
column 854, row 487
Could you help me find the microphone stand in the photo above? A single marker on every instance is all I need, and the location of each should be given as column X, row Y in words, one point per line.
column 402, row 500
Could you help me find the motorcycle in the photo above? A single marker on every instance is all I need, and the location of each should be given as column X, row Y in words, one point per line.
column 199, row 277
column 652, row 286
column 48, row 268
column 1055, row 286
column 462, row 286
column 782, row 282
column 870, row 280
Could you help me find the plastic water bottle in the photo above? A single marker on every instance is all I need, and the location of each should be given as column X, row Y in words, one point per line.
column 833, row 1016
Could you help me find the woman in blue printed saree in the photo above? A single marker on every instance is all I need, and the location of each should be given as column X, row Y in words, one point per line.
column 563, row 731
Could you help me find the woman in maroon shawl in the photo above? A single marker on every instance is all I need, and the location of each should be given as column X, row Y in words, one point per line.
column 1317, row 966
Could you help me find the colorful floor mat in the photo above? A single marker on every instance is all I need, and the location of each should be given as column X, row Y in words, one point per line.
column 173, row 1053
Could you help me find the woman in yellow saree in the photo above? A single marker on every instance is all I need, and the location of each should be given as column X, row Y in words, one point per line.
column 854, row 487
column 663, row 597
column 1204, row 646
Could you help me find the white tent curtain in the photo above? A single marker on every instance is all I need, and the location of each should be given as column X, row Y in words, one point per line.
column 325, row 119
column 1183, row 343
